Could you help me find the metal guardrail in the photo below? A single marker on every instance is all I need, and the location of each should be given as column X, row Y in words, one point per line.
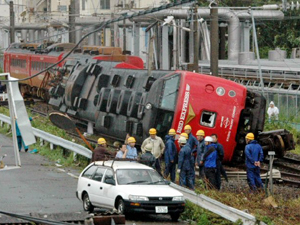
column 216, row 207
column 55, row 140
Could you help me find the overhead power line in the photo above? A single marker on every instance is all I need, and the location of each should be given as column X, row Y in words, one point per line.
column 102, row 25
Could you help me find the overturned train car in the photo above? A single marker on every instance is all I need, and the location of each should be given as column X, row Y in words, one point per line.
column 117, row 98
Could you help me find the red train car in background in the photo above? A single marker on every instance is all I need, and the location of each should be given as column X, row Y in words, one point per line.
column 24, row 60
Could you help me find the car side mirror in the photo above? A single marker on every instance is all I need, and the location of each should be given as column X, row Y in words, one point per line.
column 110, row 181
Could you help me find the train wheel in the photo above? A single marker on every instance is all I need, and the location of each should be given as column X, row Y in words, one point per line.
column 33, row 91
column 280, row 146
column 44, row 94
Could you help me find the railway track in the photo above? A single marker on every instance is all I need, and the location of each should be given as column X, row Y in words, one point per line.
column 290, row 171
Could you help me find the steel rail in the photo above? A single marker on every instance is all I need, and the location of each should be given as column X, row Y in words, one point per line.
column 227, row 212
column 55, row 140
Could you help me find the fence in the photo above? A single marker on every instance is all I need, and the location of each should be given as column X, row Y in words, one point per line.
column 287, row 101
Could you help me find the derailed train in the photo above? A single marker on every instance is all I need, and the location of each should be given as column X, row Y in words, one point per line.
column 119, row 97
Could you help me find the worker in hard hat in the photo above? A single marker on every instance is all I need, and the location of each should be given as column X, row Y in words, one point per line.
column 170, row 155
column 200, row 153
column 158, row 147
column 192, row 141
column 210, row 162
column 220, row 168
column 273, row 111
column 147, row 158
column 185, row 164
column 131, row 152
column 254, row 156
column 101, row 153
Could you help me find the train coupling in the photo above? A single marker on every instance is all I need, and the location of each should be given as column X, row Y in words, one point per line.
column 279, row 141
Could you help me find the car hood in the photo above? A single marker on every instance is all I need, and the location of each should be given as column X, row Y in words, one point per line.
column 151, row 190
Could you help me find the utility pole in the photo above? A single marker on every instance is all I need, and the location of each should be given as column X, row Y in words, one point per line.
column 72, row 12
column 12, row 21
column 214, row 38
column 124, row 36
column 196, row 40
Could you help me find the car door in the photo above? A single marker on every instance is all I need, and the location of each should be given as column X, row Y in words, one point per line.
column 96, row 187
column 109, row 189
column 84, row 181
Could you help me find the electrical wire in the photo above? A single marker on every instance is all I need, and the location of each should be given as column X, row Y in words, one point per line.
column 102, row 25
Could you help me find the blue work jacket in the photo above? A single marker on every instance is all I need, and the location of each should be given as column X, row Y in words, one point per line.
column 200, row 151
column 193, row 142
column 253, row 153
column 220, row 150
column 210, row 156
column 170, row 150
column 185, row 159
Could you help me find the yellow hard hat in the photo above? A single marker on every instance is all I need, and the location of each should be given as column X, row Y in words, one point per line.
column 185, row 135
column 131, row 140
column 187, row 127
column 200, row 133
column 152, row 131
column 172, row 132
column 250, row 136
column 101, row 141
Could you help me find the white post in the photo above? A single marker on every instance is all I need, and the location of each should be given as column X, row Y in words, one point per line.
column 13, row 120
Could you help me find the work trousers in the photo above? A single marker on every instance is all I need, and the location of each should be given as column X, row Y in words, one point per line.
column 211, row 175
column 253, row 178
column 157, row 166
column 220, row 171
column 193, row 175
column 20, row 143
column 170, row 169
column 185, row 179
column 201, row 172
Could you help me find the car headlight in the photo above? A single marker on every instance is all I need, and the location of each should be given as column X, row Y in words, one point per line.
column 178, row 198
column 138, row 198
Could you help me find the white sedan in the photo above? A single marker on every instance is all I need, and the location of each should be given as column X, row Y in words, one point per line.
column 128, row 187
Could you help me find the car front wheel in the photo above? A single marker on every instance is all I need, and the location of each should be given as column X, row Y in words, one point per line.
column 121, row 206
column 175, row 217
column 87, row 205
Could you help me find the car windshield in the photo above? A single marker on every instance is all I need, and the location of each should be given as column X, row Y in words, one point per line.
column 139, row 176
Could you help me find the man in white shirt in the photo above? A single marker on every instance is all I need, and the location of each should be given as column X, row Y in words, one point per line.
column 158, row 147
column 273, row 111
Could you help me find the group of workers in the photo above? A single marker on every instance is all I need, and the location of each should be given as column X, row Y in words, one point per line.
column 203, row 152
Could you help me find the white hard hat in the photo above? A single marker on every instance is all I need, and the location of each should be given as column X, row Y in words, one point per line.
column 208, row 139
column 272, row 103
column 182, row 140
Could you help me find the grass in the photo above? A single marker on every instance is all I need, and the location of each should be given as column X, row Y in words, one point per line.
column 64, row 157
column 242, row 199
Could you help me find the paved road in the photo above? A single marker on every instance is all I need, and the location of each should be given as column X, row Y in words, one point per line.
column 41, row 187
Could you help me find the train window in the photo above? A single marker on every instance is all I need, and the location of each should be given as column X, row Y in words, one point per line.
column 208, row 119
column 116, row 80
column 129, row 81
column 170, row 90
column 163, row 122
